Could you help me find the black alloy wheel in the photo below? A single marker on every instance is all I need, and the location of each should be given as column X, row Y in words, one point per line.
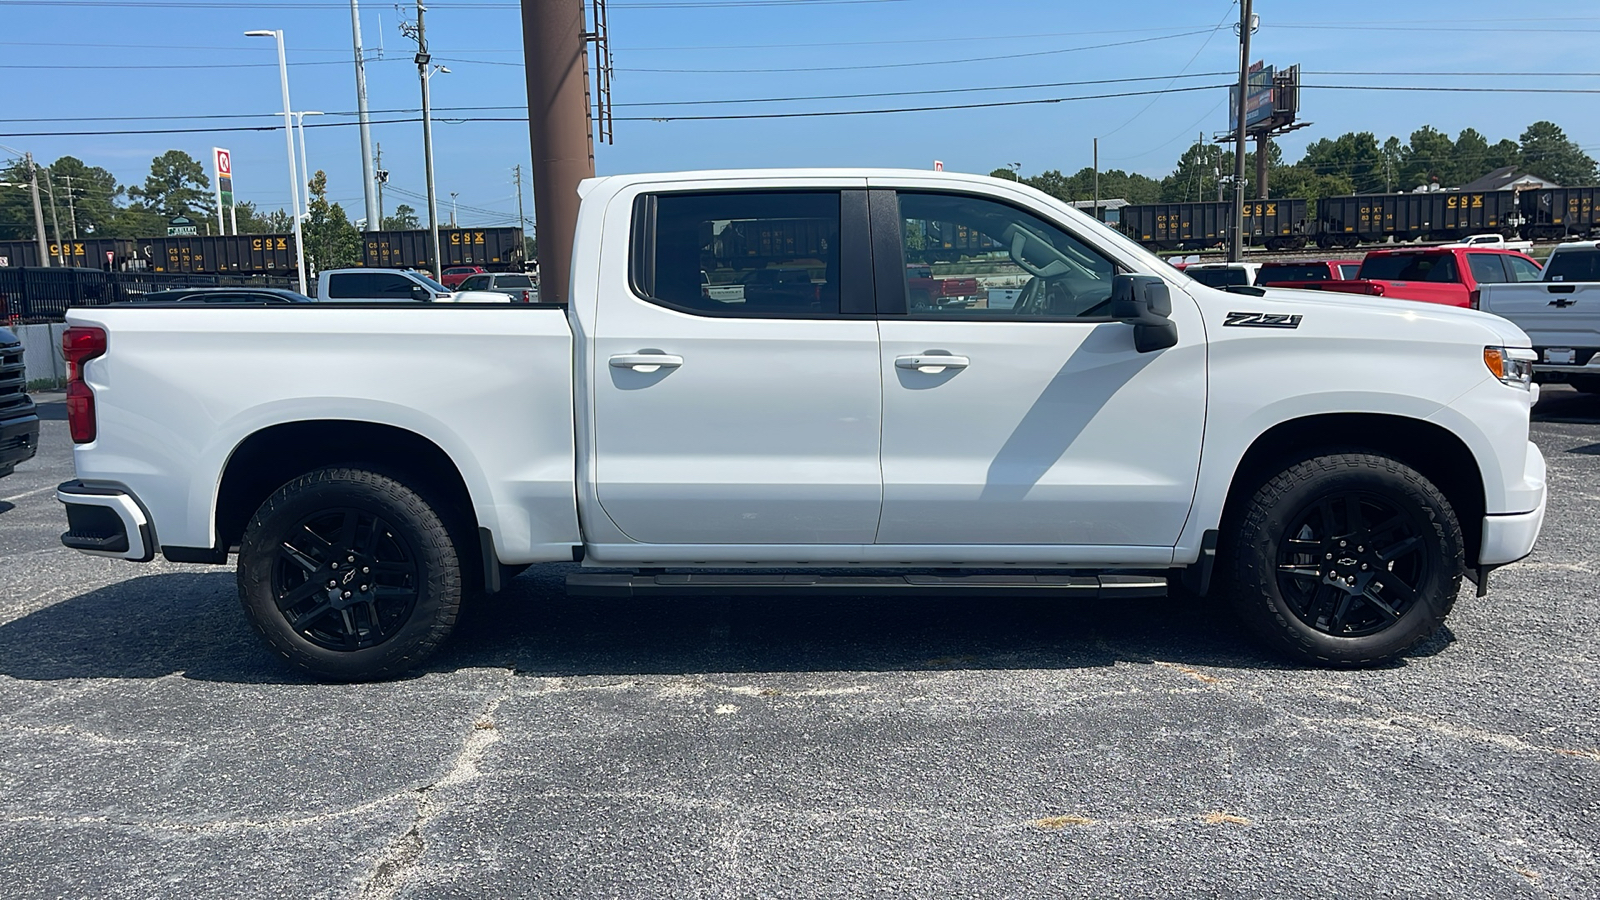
column 350, row 574
column 1354, row 563
column 1349, row 559
column 345, row 580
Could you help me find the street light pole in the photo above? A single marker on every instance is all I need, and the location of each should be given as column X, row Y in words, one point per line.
column 453, row 195
column 288, row 145
column 55, row 218
column 305, row 171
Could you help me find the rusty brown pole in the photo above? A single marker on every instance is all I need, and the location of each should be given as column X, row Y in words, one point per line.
column 556, row 61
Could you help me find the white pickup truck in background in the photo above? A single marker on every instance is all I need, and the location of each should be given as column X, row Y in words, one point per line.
column 1334, row 465
column 1560, row 314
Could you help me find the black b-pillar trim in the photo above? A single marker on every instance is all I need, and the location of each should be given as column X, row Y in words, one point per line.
column 888, row 256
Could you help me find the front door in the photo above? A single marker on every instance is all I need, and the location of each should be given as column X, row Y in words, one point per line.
column 1022, row 414
column 737, row 398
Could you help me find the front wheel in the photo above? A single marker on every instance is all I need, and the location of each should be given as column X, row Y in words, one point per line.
column 1344, row 560
column 349, row 575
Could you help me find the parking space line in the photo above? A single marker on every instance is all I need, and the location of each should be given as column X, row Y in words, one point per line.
column 25, row 494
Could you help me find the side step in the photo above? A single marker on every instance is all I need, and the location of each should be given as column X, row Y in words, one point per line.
column 1083, row 587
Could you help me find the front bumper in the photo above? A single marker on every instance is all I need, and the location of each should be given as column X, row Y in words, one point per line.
column 1508, row 538
column 19, row 440
column 106, row 520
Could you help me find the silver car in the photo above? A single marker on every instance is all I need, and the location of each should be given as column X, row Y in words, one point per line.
column 522, row 288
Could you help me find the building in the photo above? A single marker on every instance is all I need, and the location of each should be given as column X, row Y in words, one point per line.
column 1506, row 178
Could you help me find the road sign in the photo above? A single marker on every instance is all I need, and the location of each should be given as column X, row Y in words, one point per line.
column 938, row 165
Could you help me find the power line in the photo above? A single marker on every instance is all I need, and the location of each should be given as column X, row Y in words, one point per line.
column 1226, row 15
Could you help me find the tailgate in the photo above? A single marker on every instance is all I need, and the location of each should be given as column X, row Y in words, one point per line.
column 1556, row 315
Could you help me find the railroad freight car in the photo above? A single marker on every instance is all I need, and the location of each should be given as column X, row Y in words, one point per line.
column 1431, row 216
column 497, row 249
column 234, row 254
column 1275, row 224
column 1556, row 214
column 111, row 254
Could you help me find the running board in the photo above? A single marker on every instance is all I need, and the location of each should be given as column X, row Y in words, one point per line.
column 1083, row 587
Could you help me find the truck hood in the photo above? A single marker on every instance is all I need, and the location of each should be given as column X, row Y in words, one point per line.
column 1501, row 332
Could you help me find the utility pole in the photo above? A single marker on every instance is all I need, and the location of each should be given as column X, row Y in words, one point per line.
column 1236, row 227
column 556, row 65
column 1263, row 146
column 380, row 176
column 72, row 207
column 374, row 219
column 55, row 219
column 420, row 34
column 1097, row 179
column 522, row 221
column 38, row 212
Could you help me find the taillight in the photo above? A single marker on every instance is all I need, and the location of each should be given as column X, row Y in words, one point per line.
column 1472, row 299
column 527, row 296
column 79, row 345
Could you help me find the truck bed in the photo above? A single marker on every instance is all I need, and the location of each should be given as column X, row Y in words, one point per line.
column 180, row 389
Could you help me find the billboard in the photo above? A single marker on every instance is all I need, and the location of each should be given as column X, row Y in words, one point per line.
column 1257, row 102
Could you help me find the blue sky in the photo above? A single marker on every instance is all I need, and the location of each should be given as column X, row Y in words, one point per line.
column 62, row 60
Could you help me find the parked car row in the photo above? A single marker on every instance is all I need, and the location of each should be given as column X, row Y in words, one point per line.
column 1557, row 304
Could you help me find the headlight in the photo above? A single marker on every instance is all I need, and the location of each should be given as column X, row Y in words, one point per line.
column 1512, row 365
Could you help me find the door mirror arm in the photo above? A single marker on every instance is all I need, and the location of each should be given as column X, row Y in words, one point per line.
column 1145, row 302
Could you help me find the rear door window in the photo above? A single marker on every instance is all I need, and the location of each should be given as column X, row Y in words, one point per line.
column 1487, row 268
column 740, row 253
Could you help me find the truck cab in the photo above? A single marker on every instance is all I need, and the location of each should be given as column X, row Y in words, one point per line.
column 19, row 419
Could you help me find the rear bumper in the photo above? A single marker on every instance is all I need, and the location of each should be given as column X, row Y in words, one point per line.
column 106, row 520
column 19, row 440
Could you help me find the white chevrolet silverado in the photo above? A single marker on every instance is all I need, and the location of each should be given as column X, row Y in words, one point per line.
column 1335, row 465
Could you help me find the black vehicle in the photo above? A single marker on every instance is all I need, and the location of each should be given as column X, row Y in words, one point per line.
column 235, row 296
column 19, row 420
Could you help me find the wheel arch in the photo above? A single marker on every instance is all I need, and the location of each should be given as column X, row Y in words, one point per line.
column 272, row 456
column 1434, row 451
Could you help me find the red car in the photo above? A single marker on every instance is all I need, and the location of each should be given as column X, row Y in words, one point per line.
column 1447, row 275
column 454, row 275
column 1299, row 274
column 926, row 291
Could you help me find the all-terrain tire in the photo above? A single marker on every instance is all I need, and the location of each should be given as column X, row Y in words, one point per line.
column 349, row 575
column 1306, row 570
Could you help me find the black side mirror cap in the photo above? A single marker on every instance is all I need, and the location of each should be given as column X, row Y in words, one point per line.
column 1145, row 302
column 421, row 294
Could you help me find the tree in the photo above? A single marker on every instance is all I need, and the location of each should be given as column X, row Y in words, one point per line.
column 1354, row 155
column 176, row 186
column 331, row 241
column 1430, row 156
column 253, row 221
column 1548, row 153
column 1004, row 172
column 88, row 194
column 16, row 203
column 404, row 219
column 1195, row 178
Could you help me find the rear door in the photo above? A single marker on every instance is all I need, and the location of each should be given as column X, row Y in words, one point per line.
column 1031, row 420
column 737, row 396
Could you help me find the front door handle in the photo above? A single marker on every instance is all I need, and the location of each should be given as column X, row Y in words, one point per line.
column 646, row 362
column 932, row 363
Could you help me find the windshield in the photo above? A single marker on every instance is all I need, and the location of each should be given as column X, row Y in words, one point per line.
column 1218, row 277
column 430, row 283
column 1294, row 272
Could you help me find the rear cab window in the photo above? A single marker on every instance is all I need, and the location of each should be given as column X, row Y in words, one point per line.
column 1435, row 267
column 1218, row 277
column 1294, row 272
column 1573, row 265
column 1487, row 268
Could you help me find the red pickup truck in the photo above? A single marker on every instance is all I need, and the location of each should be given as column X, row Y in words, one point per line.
column 924, row 291
column 1297, row 274
column 1446, row 275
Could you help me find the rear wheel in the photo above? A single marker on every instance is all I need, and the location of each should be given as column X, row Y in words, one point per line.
column 1345, row 560
column 349, row 575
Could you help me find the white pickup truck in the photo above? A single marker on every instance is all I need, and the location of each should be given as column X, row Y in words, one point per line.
column 1560, row 314
column 1335, row 465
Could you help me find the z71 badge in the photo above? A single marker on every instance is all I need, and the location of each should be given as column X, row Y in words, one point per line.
column 1261, row 320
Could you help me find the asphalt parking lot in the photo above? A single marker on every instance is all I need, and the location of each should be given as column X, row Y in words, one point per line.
column 150, row 746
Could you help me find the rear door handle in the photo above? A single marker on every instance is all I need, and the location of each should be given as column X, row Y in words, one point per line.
column 931, row 364
column 646, row 362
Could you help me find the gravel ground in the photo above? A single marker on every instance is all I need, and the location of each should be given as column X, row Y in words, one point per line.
column 150, row 746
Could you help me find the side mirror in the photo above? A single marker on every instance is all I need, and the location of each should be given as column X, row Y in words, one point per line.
column 421, row 294
column 1145, row 302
